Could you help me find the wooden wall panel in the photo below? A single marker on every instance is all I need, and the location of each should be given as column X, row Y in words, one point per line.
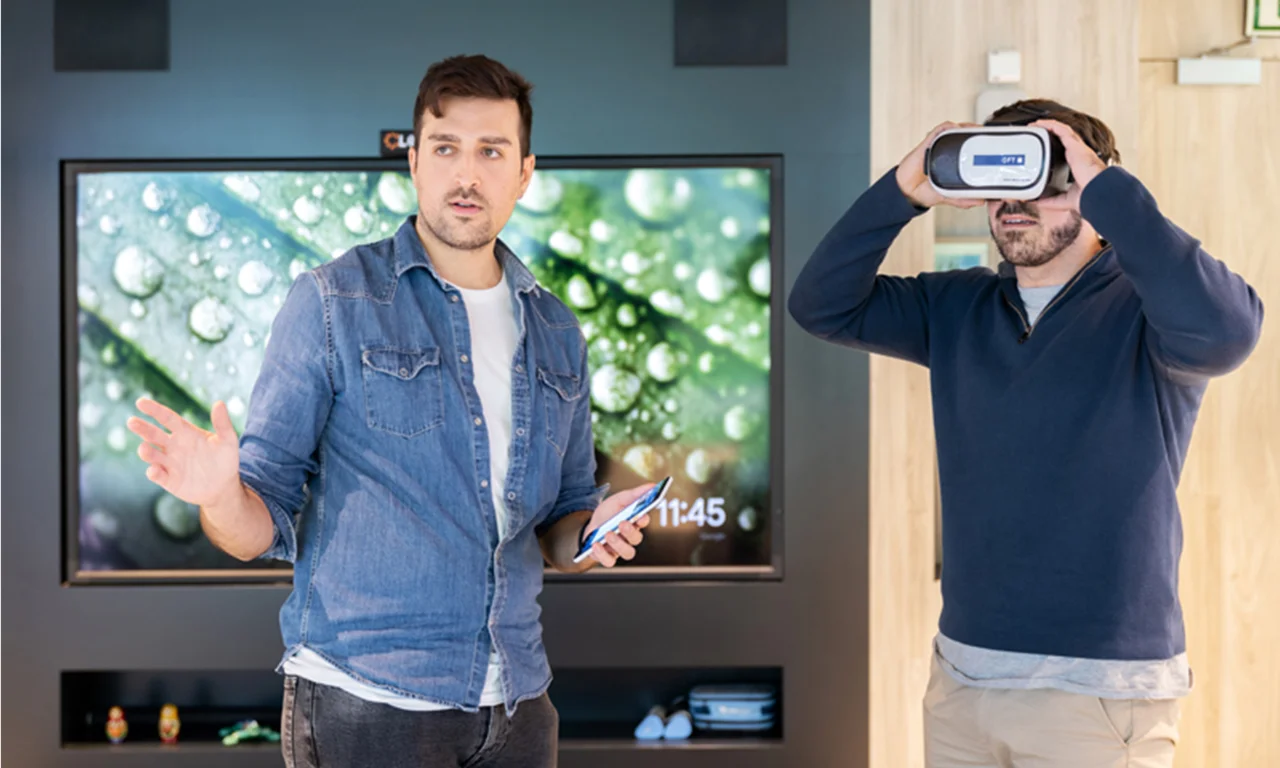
column 1213, row 162
column 1210, row 156
column 1178, row 28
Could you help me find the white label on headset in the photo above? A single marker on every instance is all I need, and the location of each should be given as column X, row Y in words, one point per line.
column 994, row 161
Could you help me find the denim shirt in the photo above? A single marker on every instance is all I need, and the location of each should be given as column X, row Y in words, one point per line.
column 366, row 439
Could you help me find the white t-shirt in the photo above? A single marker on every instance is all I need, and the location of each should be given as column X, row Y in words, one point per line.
column 493, row 349
column 494, row 337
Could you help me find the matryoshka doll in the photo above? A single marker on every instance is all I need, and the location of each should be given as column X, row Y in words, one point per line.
column 117, row 728
column 169, row 724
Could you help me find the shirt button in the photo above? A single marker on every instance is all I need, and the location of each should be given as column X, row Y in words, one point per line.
column 519, row 369
column 484, row 483
column 511, row 496
column 478, row 421
column 464, row 358
column 454, row 299
column 404, row 371
column 520, row 431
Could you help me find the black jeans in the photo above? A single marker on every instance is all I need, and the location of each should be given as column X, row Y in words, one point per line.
column 326, row 727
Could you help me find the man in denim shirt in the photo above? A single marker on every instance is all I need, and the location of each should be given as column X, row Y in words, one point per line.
column 432, row 400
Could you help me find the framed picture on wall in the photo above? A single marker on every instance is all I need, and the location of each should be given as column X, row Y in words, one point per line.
column 1262, row 18
column 951, row 253
column 174, row 270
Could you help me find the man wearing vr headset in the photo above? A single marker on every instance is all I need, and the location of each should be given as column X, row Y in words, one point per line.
column 1065, row 387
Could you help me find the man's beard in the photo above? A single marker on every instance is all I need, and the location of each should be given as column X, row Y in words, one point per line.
column 1019, row 250
column 468, row 235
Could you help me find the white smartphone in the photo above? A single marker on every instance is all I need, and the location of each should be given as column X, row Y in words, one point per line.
column 632, row 512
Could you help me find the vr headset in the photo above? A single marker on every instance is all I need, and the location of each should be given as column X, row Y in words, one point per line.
column 997, row 162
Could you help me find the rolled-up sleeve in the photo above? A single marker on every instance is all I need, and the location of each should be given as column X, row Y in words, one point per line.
column 288, row 410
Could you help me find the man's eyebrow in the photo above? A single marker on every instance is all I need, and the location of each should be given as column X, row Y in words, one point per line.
column 449, row 138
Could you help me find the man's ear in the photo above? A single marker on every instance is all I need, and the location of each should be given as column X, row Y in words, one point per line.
column 527, row 166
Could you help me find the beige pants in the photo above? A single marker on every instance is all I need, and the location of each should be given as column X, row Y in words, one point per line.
column 1000, row 728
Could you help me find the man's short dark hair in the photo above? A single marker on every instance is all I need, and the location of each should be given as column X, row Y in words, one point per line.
column 1092, row 131
column 473, row 77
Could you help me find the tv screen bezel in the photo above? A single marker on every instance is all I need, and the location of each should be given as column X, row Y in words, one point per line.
column 72, row 169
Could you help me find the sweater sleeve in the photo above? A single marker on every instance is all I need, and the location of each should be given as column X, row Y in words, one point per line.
column 840, row 298
column 1203, row 319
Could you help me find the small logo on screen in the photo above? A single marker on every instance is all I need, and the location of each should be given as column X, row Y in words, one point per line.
column 999, row 159
column 395, row 143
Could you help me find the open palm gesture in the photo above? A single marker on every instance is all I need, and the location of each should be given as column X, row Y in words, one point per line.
column 193, row 464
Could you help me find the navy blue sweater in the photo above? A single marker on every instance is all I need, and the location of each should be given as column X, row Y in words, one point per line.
column 1060, row 445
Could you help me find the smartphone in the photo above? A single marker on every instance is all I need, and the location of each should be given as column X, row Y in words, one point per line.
column 632, row 512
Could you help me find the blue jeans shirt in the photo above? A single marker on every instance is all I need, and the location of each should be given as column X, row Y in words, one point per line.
column 366, row 440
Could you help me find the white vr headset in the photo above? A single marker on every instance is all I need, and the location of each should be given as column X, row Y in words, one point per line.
column 997, row 162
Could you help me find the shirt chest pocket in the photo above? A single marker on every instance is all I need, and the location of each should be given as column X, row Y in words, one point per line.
column 561, row 393
column 403, row 391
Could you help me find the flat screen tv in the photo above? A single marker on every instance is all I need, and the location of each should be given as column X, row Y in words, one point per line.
column 174, row 270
